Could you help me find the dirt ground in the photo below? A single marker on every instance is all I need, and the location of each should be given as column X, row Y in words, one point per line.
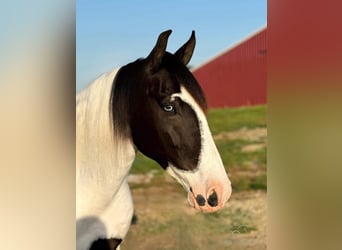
column 166, row 221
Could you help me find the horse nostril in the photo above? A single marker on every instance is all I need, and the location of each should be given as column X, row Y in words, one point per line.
column 200, row 200
column 212, row 200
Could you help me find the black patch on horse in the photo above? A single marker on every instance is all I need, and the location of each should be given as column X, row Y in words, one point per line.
column 164, row 129
column 106, row 244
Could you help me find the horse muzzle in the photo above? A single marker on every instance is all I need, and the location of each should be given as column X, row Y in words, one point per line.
column 210, row 200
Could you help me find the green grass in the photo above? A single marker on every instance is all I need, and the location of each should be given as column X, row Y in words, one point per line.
column 143, row 165
column 228, row 120
column 241, row 183
column 232, row 156
column 228, row 221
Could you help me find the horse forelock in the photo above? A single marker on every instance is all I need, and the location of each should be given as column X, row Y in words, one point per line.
column 186, row 79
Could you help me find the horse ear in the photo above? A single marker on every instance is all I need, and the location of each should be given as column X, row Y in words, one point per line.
column 156, row 56
column 184, row 53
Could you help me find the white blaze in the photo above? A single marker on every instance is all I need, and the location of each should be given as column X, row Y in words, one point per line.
column 210, row 170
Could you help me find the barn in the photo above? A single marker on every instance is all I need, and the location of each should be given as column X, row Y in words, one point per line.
column 236, row 77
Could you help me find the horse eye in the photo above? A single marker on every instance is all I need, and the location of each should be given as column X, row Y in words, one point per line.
column 168, row 108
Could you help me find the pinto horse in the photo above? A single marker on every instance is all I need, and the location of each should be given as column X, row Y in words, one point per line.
column 154, row 105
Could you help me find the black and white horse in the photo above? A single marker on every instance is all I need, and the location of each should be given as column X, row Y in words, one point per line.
column 154, row 105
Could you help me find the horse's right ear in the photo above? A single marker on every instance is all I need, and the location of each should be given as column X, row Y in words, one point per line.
column 156, row 56
column 184, row 53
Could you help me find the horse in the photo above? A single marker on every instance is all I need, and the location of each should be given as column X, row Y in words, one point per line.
column 156, row 106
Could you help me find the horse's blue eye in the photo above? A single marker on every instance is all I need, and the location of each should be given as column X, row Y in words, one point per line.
column 169, row 108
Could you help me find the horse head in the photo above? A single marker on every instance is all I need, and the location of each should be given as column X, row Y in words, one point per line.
column 162, row 109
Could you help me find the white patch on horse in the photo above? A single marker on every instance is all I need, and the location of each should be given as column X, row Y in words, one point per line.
column 210, row 173
column 104, row 206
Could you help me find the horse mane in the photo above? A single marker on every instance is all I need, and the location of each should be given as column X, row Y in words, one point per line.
column 119, row 98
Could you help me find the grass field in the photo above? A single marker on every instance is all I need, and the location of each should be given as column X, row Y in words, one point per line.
column 240, row 135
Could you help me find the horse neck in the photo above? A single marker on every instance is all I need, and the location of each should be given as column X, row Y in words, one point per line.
column 100, row 156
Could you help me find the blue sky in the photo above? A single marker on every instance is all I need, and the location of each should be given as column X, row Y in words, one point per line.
column 110, row 34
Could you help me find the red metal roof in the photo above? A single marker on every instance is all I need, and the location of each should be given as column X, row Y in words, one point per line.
column 238, row 76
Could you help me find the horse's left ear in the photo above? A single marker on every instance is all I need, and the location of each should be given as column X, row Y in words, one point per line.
column 184, row 53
